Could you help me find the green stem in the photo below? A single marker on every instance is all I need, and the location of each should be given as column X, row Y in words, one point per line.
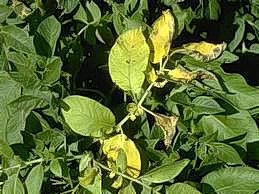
column 145, row 94
column 124, row 176
column 82, row 30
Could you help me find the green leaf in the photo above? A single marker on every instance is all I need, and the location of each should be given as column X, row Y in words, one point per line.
column 17, row 39
column 95, row 12
column 88, row 117
column 254, row 48
column 34, row 180
column 5, row 11
column 255, row 8
column 240, row 94
column 230, row 126
column 52, row 71
column 206, row 105
column 68, row 6
column 81, row 15
column 95, row 187
column 85, row 161
column 182, row 188
column 47, row 35
column 213, row 10
column 233, row 180
column 239, row 34
column 165, row 172
column 219, row 152
column 5, row 150
column 128, row 60
column 121, row 161
column 56, row 168
column 13, row 185
column 88, row 177
column 127, row 190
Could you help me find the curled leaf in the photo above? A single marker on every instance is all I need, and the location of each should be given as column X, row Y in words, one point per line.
column 181, row 74
column 111, row 148
column 168, row 125
column 161, row 36
column 204, row 51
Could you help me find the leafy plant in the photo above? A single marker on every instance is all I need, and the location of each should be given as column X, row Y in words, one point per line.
column 127, row 97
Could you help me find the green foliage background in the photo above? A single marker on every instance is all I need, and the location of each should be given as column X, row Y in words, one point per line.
column 54, row 48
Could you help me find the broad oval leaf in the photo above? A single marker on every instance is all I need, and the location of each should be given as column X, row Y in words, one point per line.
column 233, row 180
column 34, row 179
column 204, row 51
column 112, row 146
column 88, row 117
column 161, row 36
column 165, row 172
column 182, row 188
column 128, row 60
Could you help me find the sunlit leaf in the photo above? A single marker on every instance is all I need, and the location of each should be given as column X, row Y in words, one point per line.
column 204, row 51
column 128, row 60
column 88, row 117
column 161, row 36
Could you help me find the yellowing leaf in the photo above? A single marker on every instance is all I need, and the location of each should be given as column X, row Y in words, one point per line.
column 204, row 51
column 88, row 177
column 161, row 36
column 168, row 124
column 180, row 74
column 151, row 75
column 111, row 149
column 128, row 60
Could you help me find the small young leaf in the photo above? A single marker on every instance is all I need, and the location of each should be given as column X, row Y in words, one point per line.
column 127, row 190
column 52, row 71
column 85, row 161
column 88, row 177
column 166, row 172
column 128, row 60
column 88, row 117
column 56, row 168
column 34, row 180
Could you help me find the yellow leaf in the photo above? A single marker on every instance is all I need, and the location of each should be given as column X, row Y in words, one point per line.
column 204, row 51
column 161, row 36
column 180, row 74
column 111, row 149
column 168, row 124
column 151, row 75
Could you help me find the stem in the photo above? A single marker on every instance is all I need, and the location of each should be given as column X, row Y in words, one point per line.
column 25, row 164
column 82, row 30
column 124, row 120
column 124, row 176
column 145, row 94
column 148, row 111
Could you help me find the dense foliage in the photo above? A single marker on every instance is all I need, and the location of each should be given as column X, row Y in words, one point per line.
column 127, row 97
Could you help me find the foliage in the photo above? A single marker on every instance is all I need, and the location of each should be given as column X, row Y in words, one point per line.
column 127, row 97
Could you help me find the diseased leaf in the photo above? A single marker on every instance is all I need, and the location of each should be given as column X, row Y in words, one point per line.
column 165, row 172
column 204, row 51
column 128, row 60
column 168, row 125
column 161, row 36
column 111, row 148
column 233, row 180
column 88, row 117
